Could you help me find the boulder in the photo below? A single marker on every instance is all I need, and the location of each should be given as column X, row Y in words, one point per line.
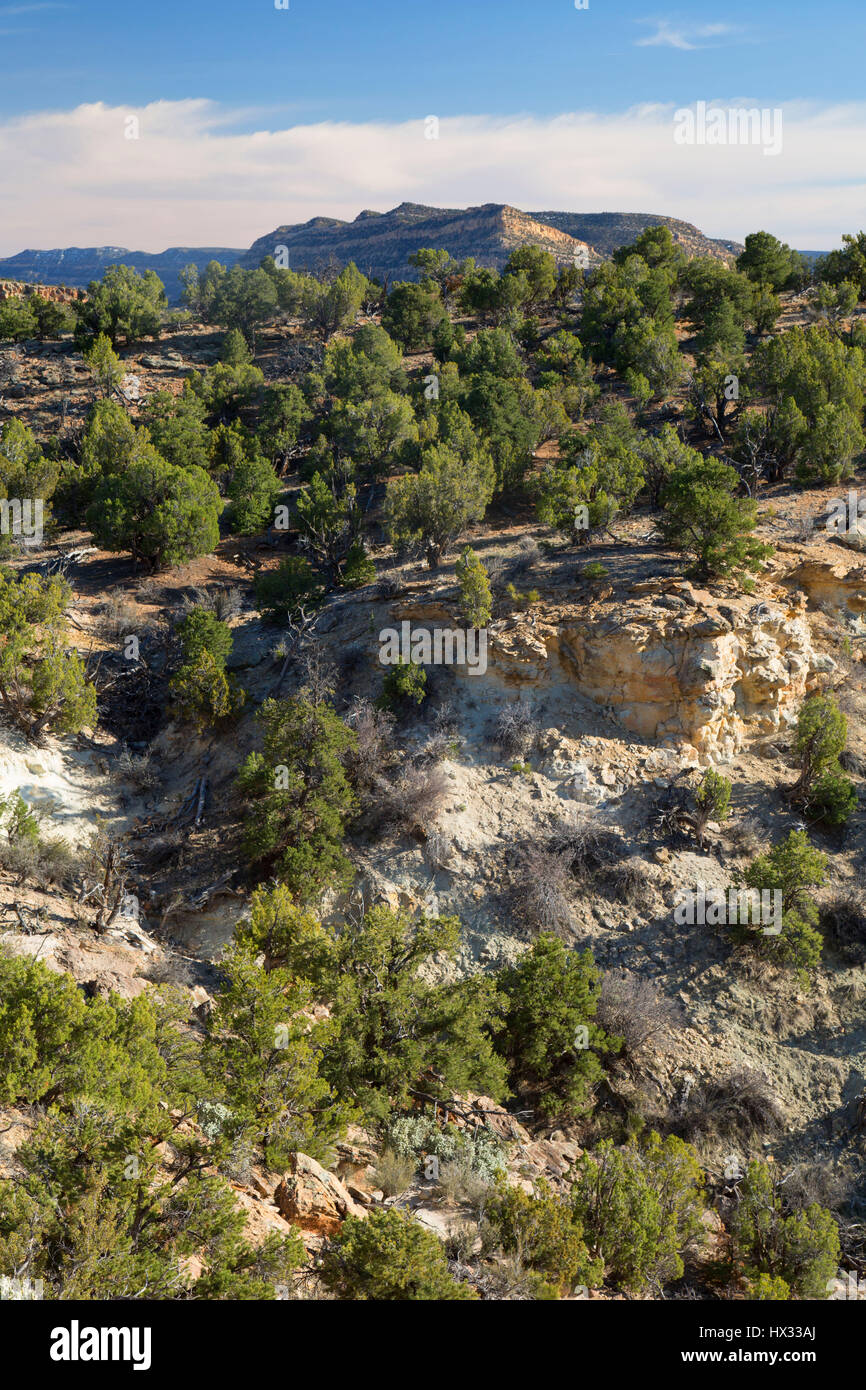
column 310, row 1197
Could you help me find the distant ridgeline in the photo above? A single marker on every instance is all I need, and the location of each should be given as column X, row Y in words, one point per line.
column 76, row 266
column 379, row 244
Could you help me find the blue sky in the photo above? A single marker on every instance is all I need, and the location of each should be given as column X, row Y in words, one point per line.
column 388, row 59
column 326, row 66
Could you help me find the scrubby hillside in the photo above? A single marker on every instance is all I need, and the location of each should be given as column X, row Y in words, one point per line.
column 401, row 695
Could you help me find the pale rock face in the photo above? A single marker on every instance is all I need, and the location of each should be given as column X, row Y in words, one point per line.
column 842, row 588
column 711, row 680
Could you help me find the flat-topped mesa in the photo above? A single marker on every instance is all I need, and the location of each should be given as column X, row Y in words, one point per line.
column 672, row 664
column 380, row 243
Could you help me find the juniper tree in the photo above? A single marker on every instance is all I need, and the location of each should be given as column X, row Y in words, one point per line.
column 282, row 593
column 26, row 476
column 262, row 1057
column 798, row 1250
column 640, row 1207
column 176, row 428
column 791, row 868
column 299, row 797
column 549, row 1036
column 162, row 515
column 768, row 261
column 201, row 690
column 712, row 800
column 17, row 319
column 703, row 517
column 123, row 304
column 821, row 787
column 389, row 1257
column 284, row 932
column 412, row 314
column 329, row 520
column 105, row 365
column 433, row 506
column 284, row 411
column 543, row 1231
column 475, row 598
column 43, row 682
column 115, row 1185
column 395, row 1030
column 246, row 477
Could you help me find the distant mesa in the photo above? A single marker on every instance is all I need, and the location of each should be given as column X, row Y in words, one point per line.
column 380, row 243
column 76, row 266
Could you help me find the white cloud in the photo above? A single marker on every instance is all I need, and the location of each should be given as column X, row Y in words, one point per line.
column 195, row 178
column 683, row 36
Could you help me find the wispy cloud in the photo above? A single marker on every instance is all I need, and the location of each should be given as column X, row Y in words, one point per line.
column 197, row 174
column 685, row 36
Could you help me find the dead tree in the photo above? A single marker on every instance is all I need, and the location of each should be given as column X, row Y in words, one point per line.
column 104, row 886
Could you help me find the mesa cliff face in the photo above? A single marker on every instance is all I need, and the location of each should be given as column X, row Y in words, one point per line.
column 672, row 665
column 607, row 231
column 381, row 243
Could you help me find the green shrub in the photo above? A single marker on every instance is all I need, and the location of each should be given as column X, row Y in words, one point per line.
column 161, row 514
column 522, row 600
column 764, row 1288
column 833, row 798
column 822, row 788
column 203, row 694
column 791, row 868
column 109, row 1197
column 403, row 683
column 17, row 320
column 262, row 1057
column 358, row 569
column 800, row 1250
column 252, row 489
column 394, row 1031
column 433, row 506
column 549, row 1037
column 200, row 631
column 299, row 796
column 704, row 517
column 43, row 682
column 282, row 930
column 18, row 820
column 641, row 1207
column 475, row 598
column 200, row 689
column 388, row 1257
column 546, row 1234
column 282, row 593
column 31, row 477
column 712, row 801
